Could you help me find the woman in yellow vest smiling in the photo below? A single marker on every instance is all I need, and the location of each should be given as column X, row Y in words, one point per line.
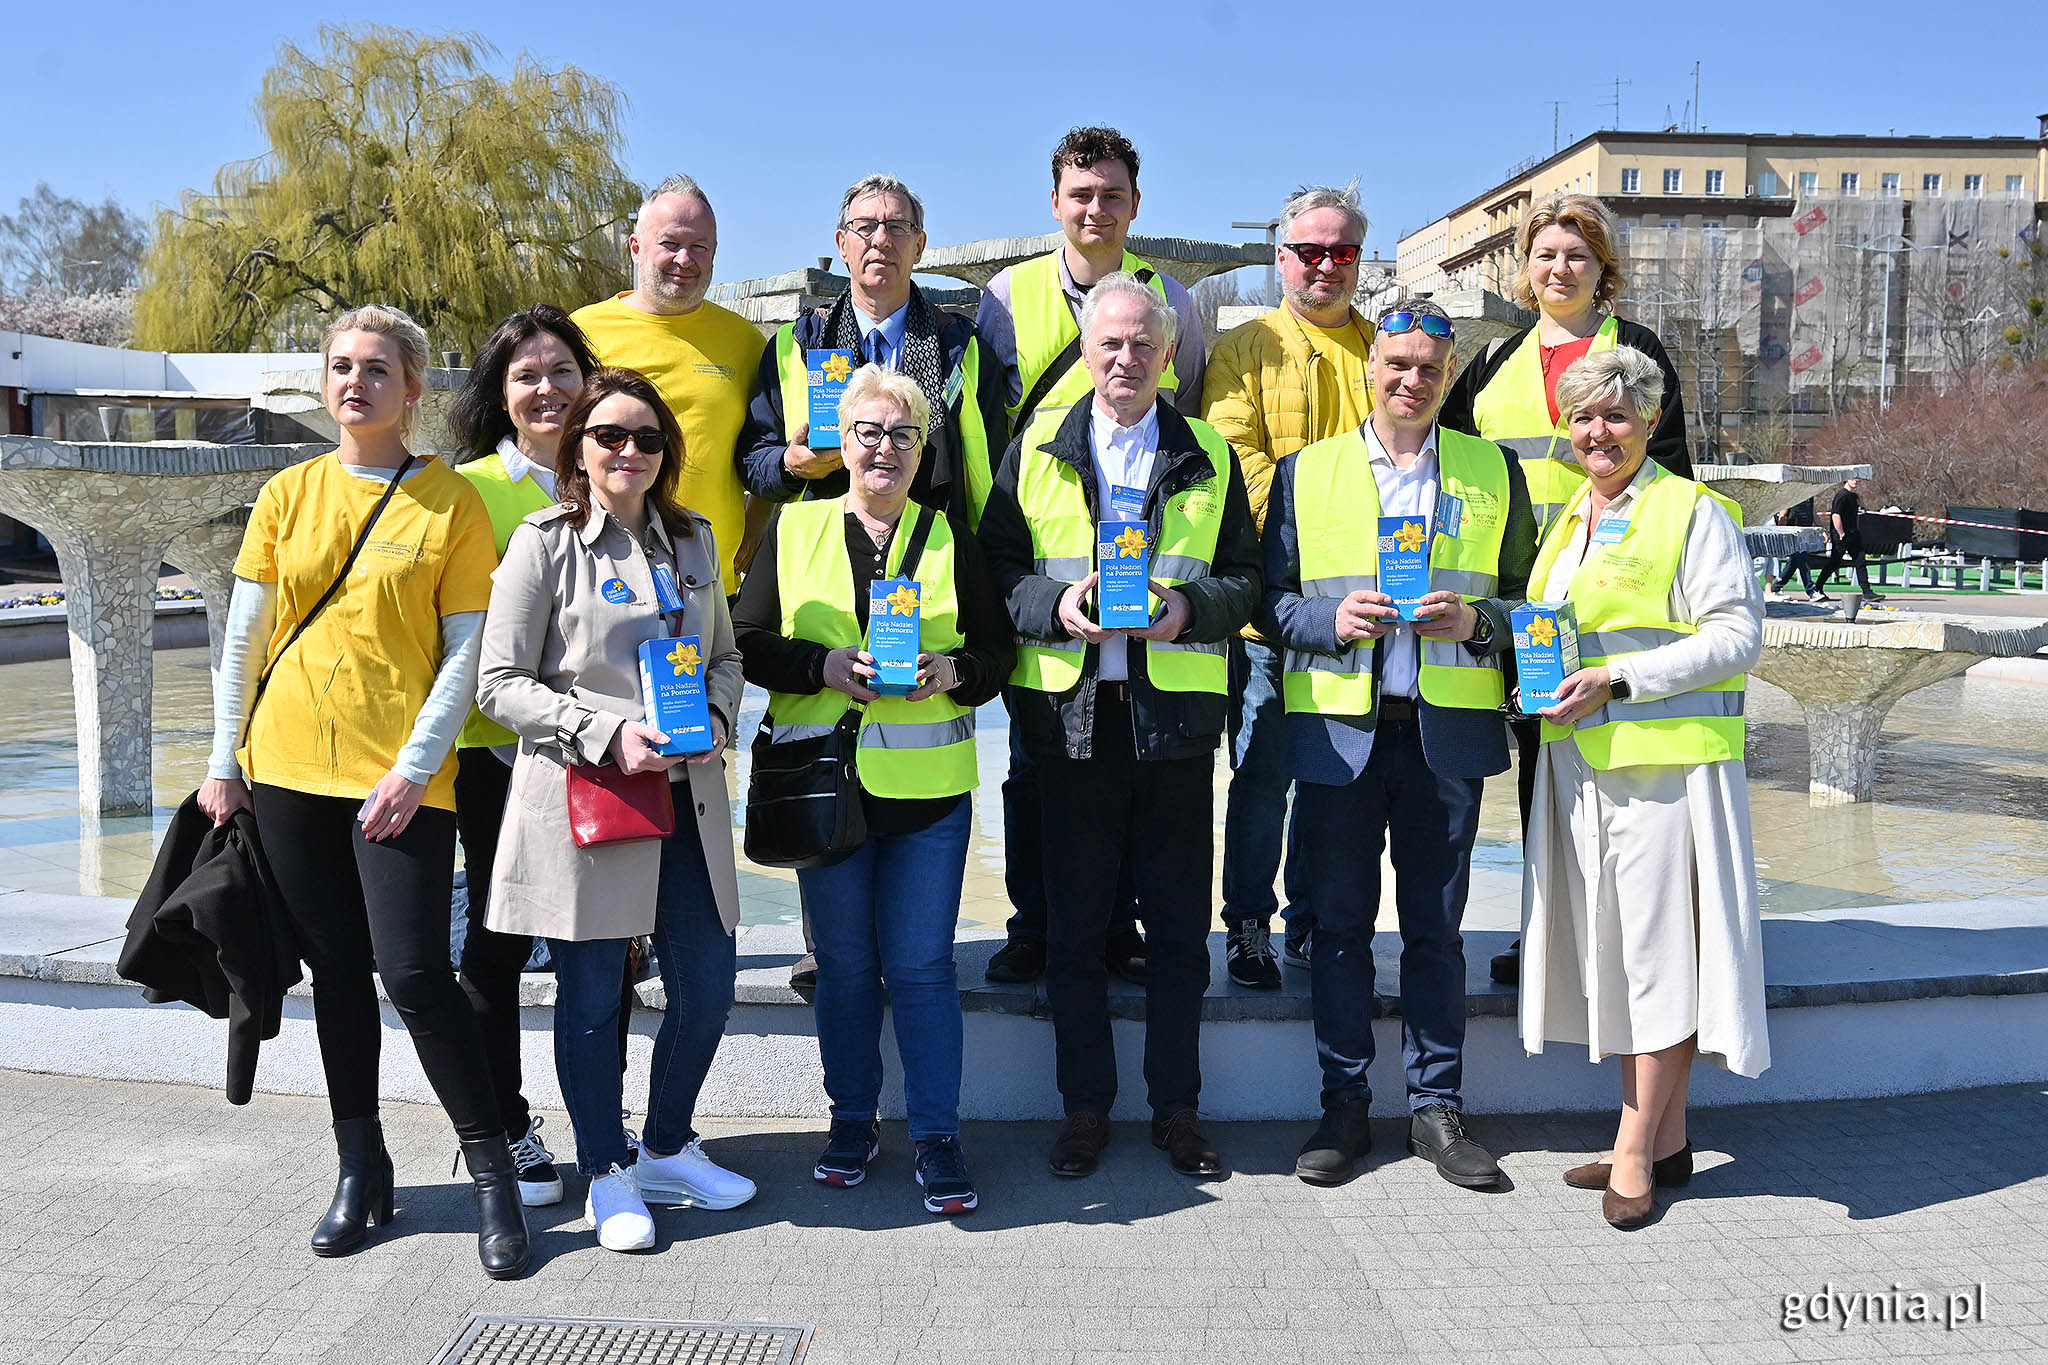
column 1639, row 909
column 507, row 418
column 884, row 915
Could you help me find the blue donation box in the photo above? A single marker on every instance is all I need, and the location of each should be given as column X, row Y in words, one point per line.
column 672, row 680
column 1546, row 650
column 893, row 616
column 1404, row 561
column 1123, row 557
column 828, row 372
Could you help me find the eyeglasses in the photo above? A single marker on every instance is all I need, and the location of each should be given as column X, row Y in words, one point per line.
column 1312, row 254
column 650, row 440
column 864, row 228
column 901, row 439
column 1429, row 324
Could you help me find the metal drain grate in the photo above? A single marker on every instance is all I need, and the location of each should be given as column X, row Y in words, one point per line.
column 487, row 1339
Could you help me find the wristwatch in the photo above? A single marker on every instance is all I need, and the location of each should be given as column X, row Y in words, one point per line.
column 1619, row 689
column 1482, row 632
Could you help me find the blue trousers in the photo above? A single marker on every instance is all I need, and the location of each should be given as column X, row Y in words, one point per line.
column 885, row 917
column 1431, row 821
column 1255, row 810
column 696, row 957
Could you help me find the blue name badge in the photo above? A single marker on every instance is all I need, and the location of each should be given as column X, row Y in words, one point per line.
column 1610, row 530
column 1450, row 514
column 1123, row 557
column 666, row 595
column 1127, row 503
column 616, row 592
column 672, row 681
column 828, row 372
column 1404, row 561
column 1546, row 650
column 894, row 610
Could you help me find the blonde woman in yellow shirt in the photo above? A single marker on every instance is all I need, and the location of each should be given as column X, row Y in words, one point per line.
column 348, row 759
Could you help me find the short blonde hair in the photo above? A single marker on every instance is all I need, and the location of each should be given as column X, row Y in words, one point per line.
column 872, row 381
column 381, row 319
column 1592, row 220
column 1601, row 379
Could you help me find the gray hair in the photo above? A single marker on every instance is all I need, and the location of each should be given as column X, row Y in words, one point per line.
column 1601, row 379
column 1422, row 308
column 683, row 185
column 1311, row 197
column 873, row 381
column 883, row 184
column 1159, row 314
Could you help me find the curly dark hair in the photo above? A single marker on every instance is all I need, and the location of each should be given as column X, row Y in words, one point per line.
column 572, row 482
column 1083, row 147
column 477, row 419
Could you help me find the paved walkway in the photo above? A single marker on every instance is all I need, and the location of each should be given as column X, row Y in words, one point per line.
column 156, row 1224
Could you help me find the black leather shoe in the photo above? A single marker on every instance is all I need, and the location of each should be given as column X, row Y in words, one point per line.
column 1021, row 959
column 1179, row 1135
column 803, row 976
column 1298, row 945
column 362, row 1196
column 501, row 1240
column 1077, row 1151
column 1248, row 956
column 1124, row 955
column 1338, row 1144
column 1437, row 1133
column 1506, row 968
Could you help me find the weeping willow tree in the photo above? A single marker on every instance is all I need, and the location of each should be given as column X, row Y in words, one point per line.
column 400, row 171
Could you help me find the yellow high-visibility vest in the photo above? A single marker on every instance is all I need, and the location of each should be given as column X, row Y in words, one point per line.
column 1514, row 409
column 1045, row 326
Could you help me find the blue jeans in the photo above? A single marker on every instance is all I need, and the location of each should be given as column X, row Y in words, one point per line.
column 696, row 958
column 1256, row 806
column 1431, row 822
column 885, row 916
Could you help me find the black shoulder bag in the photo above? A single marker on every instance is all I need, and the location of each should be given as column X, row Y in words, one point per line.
column 803, row 796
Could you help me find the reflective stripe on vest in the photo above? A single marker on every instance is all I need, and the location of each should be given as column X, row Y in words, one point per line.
column 908, row 749
column 1622, row 593
column 1055, row 508
column 1514, row 409
column 1336, row 518
column 1044, row 324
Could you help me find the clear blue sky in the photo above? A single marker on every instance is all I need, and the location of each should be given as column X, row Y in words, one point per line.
column 1230, row 105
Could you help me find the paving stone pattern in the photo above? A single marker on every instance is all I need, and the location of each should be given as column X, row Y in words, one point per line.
column 156, row 1224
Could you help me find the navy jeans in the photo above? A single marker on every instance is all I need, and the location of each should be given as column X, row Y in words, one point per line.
column 1255, row 810
column 1432, row 822
column 885, row 916
column 696, row 958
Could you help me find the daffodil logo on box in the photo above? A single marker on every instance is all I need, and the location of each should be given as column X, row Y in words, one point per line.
column 838, row 368
column 1410, row 536
column 1131, row 543
column 684, row 657
column 903, row 601
column 1543, row 630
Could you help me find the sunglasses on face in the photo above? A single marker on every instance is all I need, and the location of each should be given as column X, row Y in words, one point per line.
column 1429, row 324
column 901, row 439
column 650, row 440
column 1312, row 255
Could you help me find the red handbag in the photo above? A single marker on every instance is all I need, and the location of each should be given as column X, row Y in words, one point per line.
column 608, row 806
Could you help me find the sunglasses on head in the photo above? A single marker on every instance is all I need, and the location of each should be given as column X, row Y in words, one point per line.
column 1311, row 254
column 650, row 440
column 1393, row 324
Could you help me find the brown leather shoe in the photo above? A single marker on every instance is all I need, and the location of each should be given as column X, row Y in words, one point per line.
column 1628, row 1214
column 1179, row 1135
column 1077, row 1151
column 1671, row 1172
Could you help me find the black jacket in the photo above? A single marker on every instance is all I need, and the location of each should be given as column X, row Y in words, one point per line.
column 1166, row 724
column 209, row 929
column 1667, row 442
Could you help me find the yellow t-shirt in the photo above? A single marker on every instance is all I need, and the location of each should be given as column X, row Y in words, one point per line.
column 1341, row 378
column 704, row 363
column 342, row 703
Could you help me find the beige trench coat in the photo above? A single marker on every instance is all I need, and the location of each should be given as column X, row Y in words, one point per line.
column 561, row 669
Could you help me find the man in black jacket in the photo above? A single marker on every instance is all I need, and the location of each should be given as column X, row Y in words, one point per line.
column 1124, row 723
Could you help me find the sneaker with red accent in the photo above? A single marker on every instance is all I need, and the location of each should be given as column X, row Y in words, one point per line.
column 849, row 1147
column 942, row 1171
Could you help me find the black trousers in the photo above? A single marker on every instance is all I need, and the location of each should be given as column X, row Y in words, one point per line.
column 1092, row 811
column 360, row 907
column 1024, row 863
column 491, row 961
column 1852, row 549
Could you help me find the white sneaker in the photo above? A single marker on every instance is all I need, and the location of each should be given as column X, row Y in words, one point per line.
column 690, row 1178
column 615, row 1208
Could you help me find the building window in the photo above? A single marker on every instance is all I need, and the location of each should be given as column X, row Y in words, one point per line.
column 1890, row 184
column 1711, row 225
column 1671, row 225
column 1767, row 184
column 1973, row 187
column 1713, row 182
column 1627, row 229
column 1673, row 179
column 1631, row 181
column 2015, row 187
column 1930, row 185
column 1809, row 183
column 1851, row 183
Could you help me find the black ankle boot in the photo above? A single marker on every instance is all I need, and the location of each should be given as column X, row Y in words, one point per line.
column 501, row 1242
column 362, row 1196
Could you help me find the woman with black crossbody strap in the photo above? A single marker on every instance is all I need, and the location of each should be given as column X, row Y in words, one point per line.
column 359, row 600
